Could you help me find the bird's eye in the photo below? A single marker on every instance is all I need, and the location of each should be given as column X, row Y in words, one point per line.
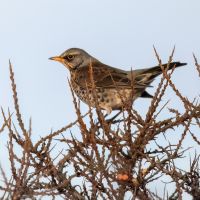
column 70, row 56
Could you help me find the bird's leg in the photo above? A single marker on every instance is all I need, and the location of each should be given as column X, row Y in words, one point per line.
column 114, row 117
column 109, row 120
column 105, row 115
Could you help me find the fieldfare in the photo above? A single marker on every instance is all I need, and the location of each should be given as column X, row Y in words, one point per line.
column 114, row 87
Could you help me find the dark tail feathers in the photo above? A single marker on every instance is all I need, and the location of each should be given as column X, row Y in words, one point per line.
column 146, row 76
column 157, row 69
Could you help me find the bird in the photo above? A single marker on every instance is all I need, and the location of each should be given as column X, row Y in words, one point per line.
column 113, row 87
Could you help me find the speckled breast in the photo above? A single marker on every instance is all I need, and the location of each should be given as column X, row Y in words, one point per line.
column 108, row 98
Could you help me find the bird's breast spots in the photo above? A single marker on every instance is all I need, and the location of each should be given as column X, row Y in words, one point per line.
column 73, row 76
column 83, row 92
column 100, row 90
column 97, row 71
column 105, row 95
column 81, row 77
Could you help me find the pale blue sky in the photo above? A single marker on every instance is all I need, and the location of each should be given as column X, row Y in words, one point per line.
column 119, row 33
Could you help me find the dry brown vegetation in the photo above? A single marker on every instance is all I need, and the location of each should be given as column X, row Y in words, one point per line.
column 105, row 159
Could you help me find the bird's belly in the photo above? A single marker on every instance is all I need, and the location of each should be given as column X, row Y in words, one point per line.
column 108, row 98
column 114, row 98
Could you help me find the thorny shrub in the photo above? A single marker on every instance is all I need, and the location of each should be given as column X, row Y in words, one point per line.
column 105, row 159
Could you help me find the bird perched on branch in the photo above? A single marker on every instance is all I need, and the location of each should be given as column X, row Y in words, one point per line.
column 113, row 87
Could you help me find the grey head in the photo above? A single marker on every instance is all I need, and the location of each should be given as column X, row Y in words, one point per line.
column 74, row 58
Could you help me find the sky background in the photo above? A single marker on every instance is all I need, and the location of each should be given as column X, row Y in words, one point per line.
column 119, row 33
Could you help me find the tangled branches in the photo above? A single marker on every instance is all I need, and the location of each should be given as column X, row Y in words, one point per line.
column 108, row 159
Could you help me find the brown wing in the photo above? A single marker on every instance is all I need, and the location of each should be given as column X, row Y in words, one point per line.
column 104, row 76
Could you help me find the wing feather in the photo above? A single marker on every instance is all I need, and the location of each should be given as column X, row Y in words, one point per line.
column 105, row 76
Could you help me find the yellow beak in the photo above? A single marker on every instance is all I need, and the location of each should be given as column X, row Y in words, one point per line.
column 57, row 58
column 63, row 61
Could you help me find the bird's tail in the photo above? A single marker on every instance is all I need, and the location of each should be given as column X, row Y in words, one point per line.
column 146, row 76
column 157, row 69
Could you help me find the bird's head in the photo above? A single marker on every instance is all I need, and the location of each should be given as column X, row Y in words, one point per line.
column 73, row 58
